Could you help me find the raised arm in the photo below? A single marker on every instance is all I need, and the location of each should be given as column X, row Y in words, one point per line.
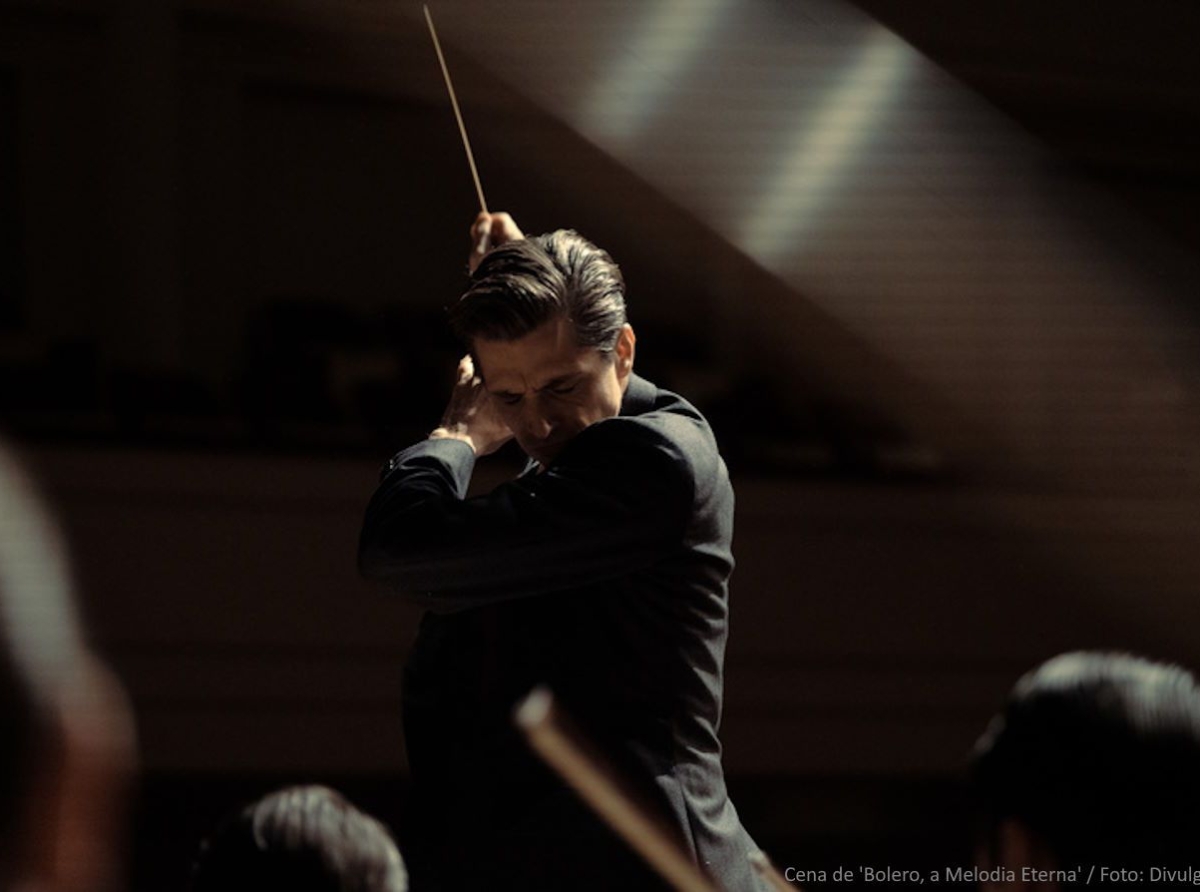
column 616, row 500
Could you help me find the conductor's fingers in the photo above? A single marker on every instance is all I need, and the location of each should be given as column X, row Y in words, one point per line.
column 491, row 231
column 481, row 232
column 504, row 229
column 481, row 239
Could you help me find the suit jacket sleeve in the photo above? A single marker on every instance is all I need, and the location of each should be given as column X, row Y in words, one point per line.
column 616, row 499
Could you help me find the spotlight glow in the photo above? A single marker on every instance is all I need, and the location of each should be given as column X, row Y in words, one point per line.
column 667, row 44
column 823, row 147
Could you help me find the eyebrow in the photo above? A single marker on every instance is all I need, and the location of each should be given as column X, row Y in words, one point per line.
column 549, row 385
column 561, row 379
column 557, row 381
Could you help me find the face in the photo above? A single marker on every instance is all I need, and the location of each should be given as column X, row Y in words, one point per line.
column 548, row 389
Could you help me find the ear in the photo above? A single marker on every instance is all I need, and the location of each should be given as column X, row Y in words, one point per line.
column 623, row 352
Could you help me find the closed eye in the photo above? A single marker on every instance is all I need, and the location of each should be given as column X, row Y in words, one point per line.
column 564, row 390
column 509, row 399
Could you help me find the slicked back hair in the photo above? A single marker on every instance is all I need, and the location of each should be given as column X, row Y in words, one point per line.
column 521, row 285
column 1099, row 755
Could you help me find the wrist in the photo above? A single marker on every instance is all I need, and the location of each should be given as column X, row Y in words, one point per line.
column 453, row 432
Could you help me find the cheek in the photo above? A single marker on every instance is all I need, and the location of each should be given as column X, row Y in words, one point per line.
column 610, row 397
column 509, row 415
column 603, row 402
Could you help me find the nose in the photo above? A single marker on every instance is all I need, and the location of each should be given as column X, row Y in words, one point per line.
column 537, row 425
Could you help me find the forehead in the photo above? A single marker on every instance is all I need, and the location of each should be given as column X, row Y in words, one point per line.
column 546, row 353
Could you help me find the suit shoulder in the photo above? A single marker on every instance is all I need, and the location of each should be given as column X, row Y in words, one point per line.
column 676, row 431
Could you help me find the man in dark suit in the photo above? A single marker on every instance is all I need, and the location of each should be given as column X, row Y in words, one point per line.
column 601, row 572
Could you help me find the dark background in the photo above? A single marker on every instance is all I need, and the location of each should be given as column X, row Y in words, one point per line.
column 930, row 268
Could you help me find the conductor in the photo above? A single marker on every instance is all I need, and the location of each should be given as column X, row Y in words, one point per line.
column 600, row 571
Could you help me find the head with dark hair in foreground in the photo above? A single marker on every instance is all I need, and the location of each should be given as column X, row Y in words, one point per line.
column 1094, row 761
column 303, row 839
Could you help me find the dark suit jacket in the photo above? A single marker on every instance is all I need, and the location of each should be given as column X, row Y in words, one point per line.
column 605, row 578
